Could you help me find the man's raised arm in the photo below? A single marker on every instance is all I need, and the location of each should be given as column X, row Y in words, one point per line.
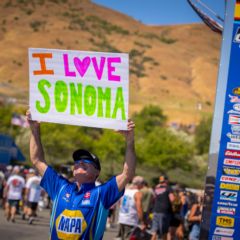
column 130, row 158
column 36, row 149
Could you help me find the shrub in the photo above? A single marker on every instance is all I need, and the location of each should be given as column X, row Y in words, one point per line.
column 142, row 45
column 35, row 25
column 105, row 25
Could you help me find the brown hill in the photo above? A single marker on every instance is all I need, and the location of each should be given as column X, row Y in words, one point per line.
column 174, row 67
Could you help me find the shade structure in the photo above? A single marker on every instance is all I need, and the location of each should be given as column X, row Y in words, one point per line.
column 9, row 150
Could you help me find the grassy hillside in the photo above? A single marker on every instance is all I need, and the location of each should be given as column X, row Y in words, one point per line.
column 174, row 67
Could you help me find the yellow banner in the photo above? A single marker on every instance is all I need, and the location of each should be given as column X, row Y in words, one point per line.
column 237, row 12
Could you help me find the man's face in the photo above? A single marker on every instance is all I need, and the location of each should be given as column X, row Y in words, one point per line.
column 85, row 170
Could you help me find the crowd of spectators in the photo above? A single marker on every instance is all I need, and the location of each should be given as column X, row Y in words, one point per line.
column 162, row 211
column 20, row 193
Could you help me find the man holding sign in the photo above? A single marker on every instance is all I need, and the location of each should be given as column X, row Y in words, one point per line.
column 87, row 89
column 80, row 209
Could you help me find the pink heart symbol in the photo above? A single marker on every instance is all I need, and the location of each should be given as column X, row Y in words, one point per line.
column 82, row 66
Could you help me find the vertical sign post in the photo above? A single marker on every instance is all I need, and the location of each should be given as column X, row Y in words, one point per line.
column 221, row 212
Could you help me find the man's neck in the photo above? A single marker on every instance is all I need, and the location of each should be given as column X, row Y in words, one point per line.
column 78, row 185
column 86, row 185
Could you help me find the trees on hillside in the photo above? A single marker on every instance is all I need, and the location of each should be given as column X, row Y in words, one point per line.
column 157, row 146
column 6, row 113
column 202, row 135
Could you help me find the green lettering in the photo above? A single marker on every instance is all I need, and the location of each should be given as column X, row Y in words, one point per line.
column 119, row 104
column 90, row 100
column 61, row 96
column 76, row 98
column 104, row 97
column 42, row 84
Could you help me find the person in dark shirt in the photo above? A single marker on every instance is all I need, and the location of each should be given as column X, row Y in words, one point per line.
column 162, row 209
column 147, row 201
column 195, row 217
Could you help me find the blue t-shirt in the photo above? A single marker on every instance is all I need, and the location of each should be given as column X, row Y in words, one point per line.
column 78, row 214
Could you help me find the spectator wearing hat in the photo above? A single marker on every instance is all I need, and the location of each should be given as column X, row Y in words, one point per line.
column 14, row 190
column 131, row 211
column 32, row 194
column 162, row 210
column 80, row 209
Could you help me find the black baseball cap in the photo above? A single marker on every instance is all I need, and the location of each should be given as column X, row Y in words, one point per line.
column 82, row 154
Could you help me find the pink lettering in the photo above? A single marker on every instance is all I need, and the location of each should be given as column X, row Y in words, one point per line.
column 66, row 67
column 98, row 70
column 82, row 65
column 111, row 69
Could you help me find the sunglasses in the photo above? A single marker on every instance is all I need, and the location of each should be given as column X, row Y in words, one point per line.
column 85, row 161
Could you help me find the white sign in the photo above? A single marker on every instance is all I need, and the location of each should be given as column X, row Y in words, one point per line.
column 79, row 88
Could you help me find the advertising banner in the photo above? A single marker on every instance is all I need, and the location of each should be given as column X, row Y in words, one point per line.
column 79, row 88
column 225, row 217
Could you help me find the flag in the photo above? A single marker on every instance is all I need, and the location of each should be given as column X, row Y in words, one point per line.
column 210, row 22
column 19, row 120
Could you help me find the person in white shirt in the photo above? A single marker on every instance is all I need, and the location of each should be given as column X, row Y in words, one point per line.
column 14, row 189
column 32, row 194
column 131, row 211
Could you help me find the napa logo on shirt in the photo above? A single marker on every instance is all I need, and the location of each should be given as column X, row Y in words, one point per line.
column 70, row 224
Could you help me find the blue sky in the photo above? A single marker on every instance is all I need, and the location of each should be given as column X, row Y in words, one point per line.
column 161, row 12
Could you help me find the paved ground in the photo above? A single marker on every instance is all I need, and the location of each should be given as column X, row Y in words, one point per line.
column 21, row 230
